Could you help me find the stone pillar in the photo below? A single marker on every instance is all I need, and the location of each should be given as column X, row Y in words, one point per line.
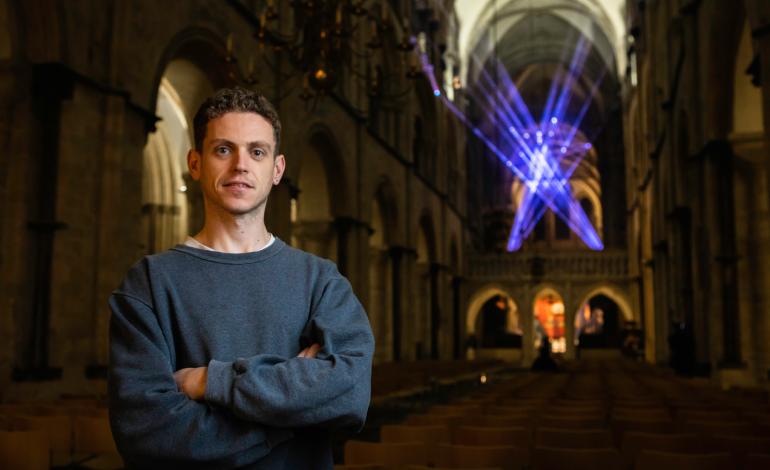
column 527, row 322
column 420, row 316
column 720, row 219
column 458, row 334
column 403, row 262
column 435, row 325
column 353, row 253
column 13, row 119
column 278, row 210
column 51, row 85
column 118, row 239
column 569, row 321
column 396, row 255
column 380, row 302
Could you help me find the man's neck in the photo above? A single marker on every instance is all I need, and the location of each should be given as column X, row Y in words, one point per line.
column 234, row 234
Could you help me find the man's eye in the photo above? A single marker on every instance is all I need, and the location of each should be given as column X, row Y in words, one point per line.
column 259, row 153
column 222, row 150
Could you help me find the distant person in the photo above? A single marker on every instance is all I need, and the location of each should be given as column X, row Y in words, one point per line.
column 544, row 362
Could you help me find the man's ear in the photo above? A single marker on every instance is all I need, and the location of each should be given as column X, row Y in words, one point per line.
column 194, row 164
column 278, row 168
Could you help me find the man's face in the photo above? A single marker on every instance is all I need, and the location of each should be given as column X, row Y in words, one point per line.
column 237, row 166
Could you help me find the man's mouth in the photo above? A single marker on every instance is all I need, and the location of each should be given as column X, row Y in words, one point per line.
column 238, row 184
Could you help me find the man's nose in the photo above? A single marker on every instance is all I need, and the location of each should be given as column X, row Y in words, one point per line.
column 240, row 160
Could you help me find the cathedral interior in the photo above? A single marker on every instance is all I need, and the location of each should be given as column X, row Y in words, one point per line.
column 508, row 185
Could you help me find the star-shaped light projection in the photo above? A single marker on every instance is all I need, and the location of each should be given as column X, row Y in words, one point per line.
column 542, row 154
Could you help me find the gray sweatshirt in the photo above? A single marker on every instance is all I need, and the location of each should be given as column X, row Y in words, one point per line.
column 246, row 317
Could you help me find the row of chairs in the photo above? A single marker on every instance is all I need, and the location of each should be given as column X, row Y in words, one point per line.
column 41, row 436
column 393, row 379
column 614, row 415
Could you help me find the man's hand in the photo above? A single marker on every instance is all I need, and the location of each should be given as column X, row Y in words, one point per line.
column 192, row 381
column 310, row 351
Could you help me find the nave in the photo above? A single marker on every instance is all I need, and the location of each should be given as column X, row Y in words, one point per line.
column 614, row 414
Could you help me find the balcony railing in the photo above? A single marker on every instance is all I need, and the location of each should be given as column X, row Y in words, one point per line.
column 611, row 264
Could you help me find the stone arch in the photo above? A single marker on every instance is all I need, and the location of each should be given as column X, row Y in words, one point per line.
column 722, row 35
column 480, row 297
column 747, row 98
column 172, row 203
column 204, row 48
column 425, row 289
column 557, row 329
column 384, row 275
column 426, row 238
column 386, row 201
column 604, row 27
column 580, row 190
column 615, row 293
column 321, row 199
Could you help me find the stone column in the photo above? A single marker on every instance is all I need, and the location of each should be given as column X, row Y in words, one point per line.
column 720, row 219
column 458, row 334
column 118, row 231
column 379, row 305
column 353, row 253
column 278, row 211
column 51, row 85
column 527, row 321
column 402, row 259
column 569, row 321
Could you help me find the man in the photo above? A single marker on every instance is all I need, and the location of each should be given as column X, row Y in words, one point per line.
column 234, row 350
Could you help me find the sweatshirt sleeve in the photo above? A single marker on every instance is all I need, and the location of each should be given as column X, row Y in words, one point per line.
column 152, row 421
column 333, row 389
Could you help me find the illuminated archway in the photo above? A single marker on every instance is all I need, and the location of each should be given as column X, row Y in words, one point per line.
column 549, row 319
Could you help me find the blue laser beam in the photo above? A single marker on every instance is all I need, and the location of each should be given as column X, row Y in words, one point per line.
column 543, row 154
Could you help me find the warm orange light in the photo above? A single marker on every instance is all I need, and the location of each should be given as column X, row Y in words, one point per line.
column 320, row 75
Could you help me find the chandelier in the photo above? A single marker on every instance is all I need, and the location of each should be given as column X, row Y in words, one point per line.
column 321, row 41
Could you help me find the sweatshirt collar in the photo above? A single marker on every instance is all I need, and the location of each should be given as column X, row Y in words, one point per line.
column 233, row 258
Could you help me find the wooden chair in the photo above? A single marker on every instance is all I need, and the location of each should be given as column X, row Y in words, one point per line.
column 571, row 423
column 494, row 421
column 622, row 426
column 717, row 428
column 59, row 432
column 657, row 460
column 424, row 467
column 415, row 433
column 641, row 414
column 24, row 450
column 740, row 447
column 549, row 458
column 94, row 446
column 387, row 454
column 757, row 461
column 491, row 436
column 455, row 409
column 505, row 457
column 635, row 442
column 573, row 438
column 362, row 467
column 705, row 415
column 432, row 420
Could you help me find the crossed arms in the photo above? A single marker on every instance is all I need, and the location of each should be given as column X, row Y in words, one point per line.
column 224, row 414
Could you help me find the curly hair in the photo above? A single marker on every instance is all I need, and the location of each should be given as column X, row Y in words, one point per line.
column 235, row 100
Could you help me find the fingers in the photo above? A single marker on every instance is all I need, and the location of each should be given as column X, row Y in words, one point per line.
column 310, row 351
column 313, row 350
